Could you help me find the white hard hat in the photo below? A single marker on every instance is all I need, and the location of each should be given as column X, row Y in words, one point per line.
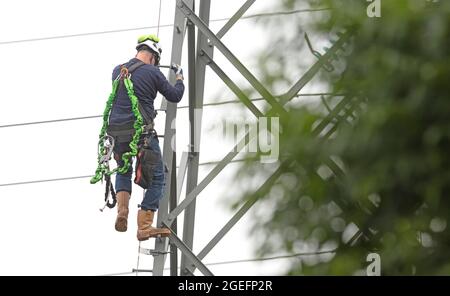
column 152, row 45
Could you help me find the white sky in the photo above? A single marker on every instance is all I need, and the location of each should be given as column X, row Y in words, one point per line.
column 56, row 228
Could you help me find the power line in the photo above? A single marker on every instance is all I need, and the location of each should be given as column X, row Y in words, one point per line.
column 273, row 257
column 50, row 121
column 243, row 260
column 216, row 162
column 81, row 34
column 181, row 107
column 118, row 273
column 154, row 27
column 90, row 176
column 268, row 14
column 44, row 181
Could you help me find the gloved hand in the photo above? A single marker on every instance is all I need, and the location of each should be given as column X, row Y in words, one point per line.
column 178, row 71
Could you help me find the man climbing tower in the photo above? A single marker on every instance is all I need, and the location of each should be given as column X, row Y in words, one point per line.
column 147, row 80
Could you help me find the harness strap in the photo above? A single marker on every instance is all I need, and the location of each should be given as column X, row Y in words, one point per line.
column 138, row 127
column 147, row 119
column 135, row 65
column 121, row 130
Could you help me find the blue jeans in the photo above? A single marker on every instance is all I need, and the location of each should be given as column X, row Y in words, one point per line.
column 155, row 191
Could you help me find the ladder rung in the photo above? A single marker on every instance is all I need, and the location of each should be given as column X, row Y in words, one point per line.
column 151, row 252
column 141, row 270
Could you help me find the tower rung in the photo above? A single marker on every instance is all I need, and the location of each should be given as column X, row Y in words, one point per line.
column 151, row 252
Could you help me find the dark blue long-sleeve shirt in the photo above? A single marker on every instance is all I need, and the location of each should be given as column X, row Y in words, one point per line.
column 147, row 81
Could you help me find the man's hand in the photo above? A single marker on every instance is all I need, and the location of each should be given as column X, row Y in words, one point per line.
column 178, row 71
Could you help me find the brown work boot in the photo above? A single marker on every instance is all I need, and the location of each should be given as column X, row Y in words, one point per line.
column 145, row 228
column 123, row 199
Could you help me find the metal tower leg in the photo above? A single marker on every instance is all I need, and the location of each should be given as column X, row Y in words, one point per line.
column 196, row 92
column 169, row 149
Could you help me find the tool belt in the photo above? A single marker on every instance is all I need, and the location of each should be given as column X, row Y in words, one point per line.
column 147, row 160
column 125, row 132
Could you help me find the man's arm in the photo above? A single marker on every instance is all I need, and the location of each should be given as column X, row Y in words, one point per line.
column 171, row 93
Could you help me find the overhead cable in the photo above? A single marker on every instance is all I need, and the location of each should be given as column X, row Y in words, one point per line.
column 180, row 107
column 90, row 176
column 153, row 27
column 242, row 260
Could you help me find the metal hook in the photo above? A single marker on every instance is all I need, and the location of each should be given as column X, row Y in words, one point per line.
column 326, row 64
column 108, row 143
column 102, row 209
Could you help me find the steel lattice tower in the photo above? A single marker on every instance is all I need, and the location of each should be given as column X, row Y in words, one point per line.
column 200, row 55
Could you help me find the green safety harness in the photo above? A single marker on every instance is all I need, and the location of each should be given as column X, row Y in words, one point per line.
column 106, row 142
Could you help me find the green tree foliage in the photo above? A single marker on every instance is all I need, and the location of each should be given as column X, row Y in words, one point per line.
column 387, row 169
